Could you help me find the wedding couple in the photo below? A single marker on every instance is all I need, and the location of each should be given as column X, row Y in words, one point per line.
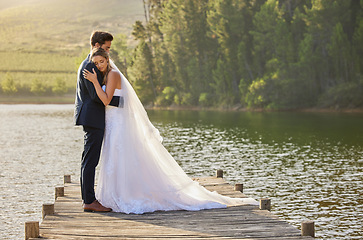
column 137, row 174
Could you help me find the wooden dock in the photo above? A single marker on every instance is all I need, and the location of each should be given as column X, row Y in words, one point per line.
column 68, row 221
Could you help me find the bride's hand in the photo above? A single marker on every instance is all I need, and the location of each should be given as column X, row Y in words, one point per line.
column 92, row 77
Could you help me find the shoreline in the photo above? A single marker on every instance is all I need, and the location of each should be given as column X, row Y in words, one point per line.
column 237, row 109
column 69, row 99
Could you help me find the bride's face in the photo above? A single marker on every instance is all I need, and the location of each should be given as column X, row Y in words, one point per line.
column 100, row 62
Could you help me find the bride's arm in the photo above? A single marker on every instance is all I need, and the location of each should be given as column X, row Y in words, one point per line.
column 112, row 79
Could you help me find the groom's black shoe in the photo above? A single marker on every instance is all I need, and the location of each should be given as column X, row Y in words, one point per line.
column 95, row 207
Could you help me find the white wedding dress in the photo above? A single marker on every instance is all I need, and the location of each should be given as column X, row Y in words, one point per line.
column 137, row 174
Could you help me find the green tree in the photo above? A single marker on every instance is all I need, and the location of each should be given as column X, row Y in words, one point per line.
column 273, row 54
column 163, row 66
column 205, row 99
column 221, row 83
column 358, row 46
column 141, row 73
column 120, row 53
column 142, row 69
column 265, row 22
column 227, row 20
column 199, row 46
column 306, row 68
column 167, row 97
column 340, row 54
column 174, row 29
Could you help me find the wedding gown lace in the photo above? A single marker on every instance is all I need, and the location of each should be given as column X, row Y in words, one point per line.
column 138, row 175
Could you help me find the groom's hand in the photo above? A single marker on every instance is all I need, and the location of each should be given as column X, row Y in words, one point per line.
column 90, row 67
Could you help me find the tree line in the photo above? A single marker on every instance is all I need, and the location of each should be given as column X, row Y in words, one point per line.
column 270, row 54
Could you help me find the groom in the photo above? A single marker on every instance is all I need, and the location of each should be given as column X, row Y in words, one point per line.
column 90, row 113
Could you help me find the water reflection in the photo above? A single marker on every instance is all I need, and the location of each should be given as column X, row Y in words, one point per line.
column 38, row 145
column 269, row 127
column 309, row 164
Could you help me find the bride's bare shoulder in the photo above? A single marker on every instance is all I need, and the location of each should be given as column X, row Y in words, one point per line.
column 114, row 74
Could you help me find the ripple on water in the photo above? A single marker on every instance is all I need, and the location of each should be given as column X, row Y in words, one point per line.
column 318, row 181
column 307, row 176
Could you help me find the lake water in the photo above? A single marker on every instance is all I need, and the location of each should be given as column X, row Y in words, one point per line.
column 309, row 164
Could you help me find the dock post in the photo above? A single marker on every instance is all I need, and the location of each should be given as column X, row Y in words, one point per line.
column 67, row 178
column 31, row 230
column 307, row 228
column 219, row 173
column 59, row 192
column 265, row 204
column 48, row 209
column 238, row 187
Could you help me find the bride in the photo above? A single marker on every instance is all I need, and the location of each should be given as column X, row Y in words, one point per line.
column 137, row 174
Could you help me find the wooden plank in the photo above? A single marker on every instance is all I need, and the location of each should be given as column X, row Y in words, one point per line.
column 237, row 222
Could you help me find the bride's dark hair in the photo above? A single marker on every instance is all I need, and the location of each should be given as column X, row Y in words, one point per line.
column 101, row 52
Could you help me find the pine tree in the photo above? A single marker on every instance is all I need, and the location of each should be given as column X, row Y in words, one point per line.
column 142, row 69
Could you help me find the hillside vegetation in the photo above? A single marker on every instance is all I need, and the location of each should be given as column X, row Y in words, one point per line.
column 269, row 54
column 54, row 25
column 42, row 39
column 256, row 54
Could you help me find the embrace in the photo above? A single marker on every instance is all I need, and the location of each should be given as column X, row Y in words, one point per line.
column 137, row 174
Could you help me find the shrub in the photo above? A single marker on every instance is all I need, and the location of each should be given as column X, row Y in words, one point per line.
column 204, row 99
column 8, row 85
column 347, row 95
column 37, row 87
column 187, row 99
column 59, row 87
column 168, row 95
column 256, row 93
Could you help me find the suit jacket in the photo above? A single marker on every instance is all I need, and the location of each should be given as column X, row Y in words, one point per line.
column 89, row 109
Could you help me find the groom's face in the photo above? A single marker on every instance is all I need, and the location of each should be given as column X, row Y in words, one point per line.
column 106, row 46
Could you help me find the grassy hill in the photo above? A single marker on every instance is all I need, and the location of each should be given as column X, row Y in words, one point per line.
column 55, row 25
column 41, row 39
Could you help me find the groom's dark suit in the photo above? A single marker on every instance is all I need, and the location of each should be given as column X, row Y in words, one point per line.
column 90, row 113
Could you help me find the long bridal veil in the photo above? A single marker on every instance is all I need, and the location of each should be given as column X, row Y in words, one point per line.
column 138, row 174
column 135, row 109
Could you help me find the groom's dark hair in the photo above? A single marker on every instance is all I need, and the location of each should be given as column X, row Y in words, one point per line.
column 100, row 38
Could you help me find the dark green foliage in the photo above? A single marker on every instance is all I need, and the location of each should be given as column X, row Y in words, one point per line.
column 271, row 54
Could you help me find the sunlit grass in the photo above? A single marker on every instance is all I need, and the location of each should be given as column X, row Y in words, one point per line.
column 46, row 40
column 64, row 24
column 18, row 99
column 37, row 61
column 24, row 79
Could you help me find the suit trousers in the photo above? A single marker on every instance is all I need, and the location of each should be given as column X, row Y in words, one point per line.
column 93, row 138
